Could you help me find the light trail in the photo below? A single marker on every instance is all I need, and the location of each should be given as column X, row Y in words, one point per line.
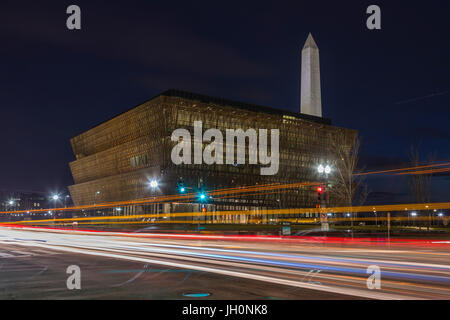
column 403, row 169
column 412, row 274
column 313, row 221
column 252, row 238
column 426, row 171
column 258, row 213
column 166, row 198
column 227, row 192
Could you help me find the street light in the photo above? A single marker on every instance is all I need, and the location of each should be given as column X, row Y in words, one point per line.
column 95, row 196
column 65, row 200
column 10, row 204
column 55, row 198
column 153, row 184
column 324, row 169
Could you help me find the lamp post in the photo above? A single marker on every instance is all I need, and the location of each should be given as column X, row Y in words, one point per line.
column 65, row 200
column 376, row 218
column 203, row 198
column 55, row 198
column 324, row 169
column 414, row 214
column 153, row 185
column 95, row 196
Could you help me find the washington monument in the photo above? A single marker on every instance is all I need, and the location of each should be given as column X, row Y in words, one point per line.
column 310, row 101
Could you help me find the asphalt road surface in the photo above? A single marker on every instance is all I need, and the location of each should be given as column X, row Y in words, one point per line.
column 33, row 265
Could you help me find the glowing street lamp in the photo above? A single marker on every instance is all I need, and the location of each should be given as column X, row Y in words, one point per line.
column 324, row 169
column 10, row 204
column 95, row 196
column 320, row 169
column 55, row 198
column 153, row 184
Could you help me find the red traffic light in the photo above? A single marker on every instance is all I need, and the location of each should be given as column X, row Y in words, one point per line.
column 319, row 189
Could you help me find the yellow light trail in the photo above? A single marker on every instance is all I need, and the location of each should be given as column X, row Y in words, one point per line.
column 403, row 169
column 225, row 193
column 160, row 199
column 425, row 171
column 291, row 211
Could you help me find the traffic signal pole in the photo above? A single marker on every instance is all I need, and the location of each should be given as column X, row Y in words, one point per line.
column 324, row 226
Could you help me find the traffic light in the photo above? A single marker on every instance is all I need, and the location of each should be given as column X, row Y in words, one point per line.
column 180, row 186
column 319, row 193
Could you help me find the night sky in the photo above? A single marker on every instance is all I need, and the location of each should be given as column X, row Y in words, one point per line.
column 392, row 85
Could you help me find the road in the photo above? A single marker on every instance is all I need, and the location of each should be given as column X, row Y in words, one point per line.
column 33, row 265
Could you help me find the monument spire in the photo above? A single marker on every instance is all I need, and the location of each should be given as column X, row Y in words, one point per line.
column 310, row 100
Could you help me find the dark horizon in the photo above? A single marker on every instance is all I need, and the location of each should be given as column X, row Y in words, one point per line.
column 391, row 85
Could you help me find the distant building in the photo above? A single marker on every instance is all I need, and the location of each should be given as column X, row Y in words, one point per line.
column 20, row 201
column 116, row 159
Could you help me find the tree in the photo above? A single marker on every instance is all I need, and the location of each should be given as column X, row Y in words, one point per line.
column 347, row 180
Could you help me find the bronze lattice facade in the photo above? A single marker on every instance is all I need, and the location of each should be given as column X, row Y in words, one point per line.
column 119, row 157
